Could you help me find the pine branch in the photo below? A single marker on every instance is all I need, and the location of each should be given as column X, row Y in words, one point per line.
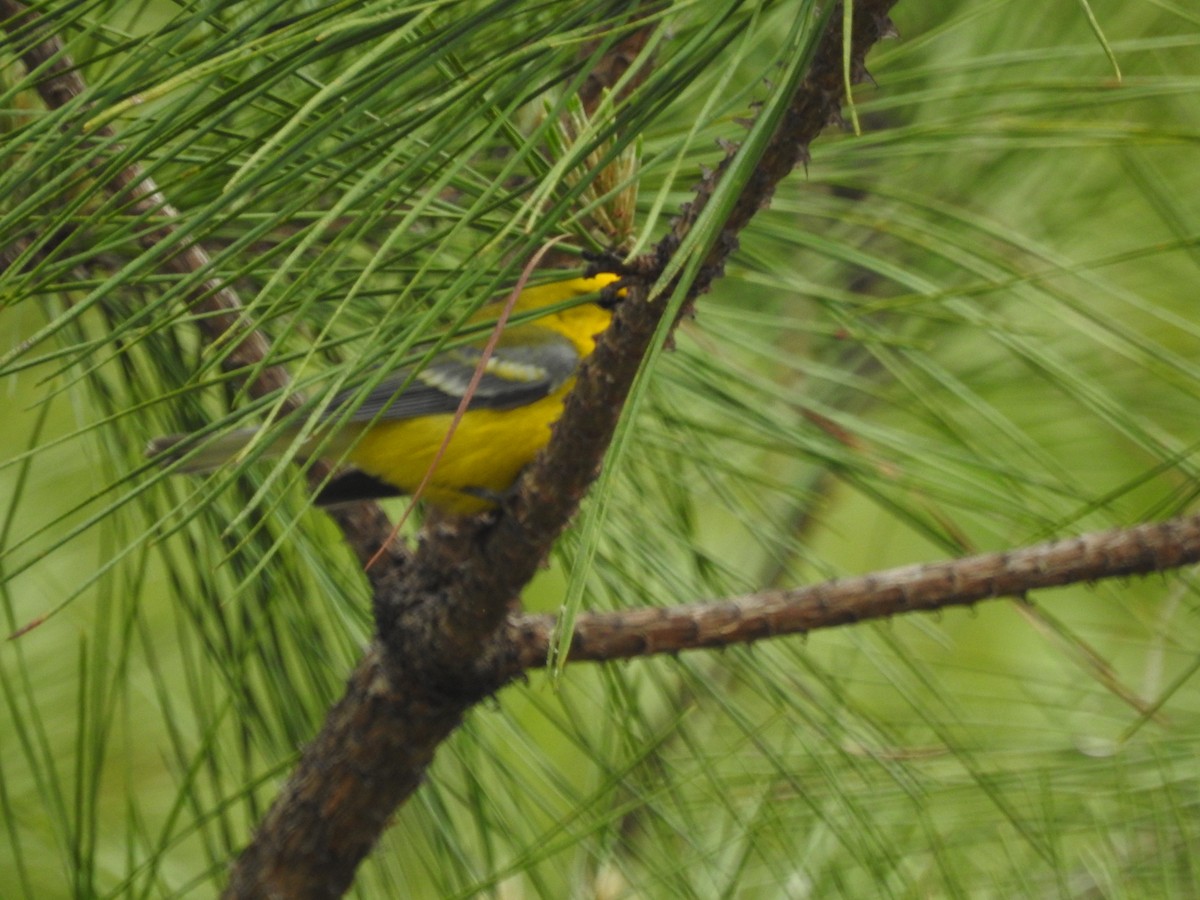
column 1117, row 553
column 442, row 645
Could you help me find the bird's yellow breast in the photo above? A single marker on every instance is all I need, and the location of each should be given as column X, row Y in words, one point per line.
column 488, row 451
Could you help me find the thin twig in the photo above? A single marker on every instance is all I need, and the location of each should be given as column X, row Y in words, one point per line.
column 59, row 84
column 221, row 319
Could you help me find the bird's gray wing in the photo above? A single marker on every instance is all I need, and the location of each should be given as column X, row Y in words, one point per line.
column 527, row 365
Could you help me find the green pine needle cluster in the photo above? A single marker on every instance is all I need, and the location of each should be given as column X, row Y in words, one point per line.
column 971, row 327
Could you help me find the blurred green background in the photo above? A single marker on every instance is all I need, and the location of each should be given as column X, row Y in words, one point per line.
column 969, row 328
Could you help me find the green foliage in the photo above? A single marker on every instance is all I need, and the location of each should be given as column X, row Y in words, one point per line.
column 971, row 327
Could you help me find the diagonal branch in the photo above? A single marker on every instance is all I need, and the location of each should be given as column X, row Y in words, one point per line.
column 442, row 643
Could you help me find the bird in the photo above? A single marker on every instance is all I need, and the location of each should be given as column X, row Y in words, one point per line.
column 391, row 438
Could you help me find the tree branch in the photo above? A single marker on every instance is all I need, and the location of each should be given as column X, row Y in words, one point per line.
column 442, row 644
column 599, row 637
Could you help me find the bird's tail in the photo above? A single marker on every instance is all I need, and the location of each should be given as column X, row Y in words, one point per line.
column 196, row 455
